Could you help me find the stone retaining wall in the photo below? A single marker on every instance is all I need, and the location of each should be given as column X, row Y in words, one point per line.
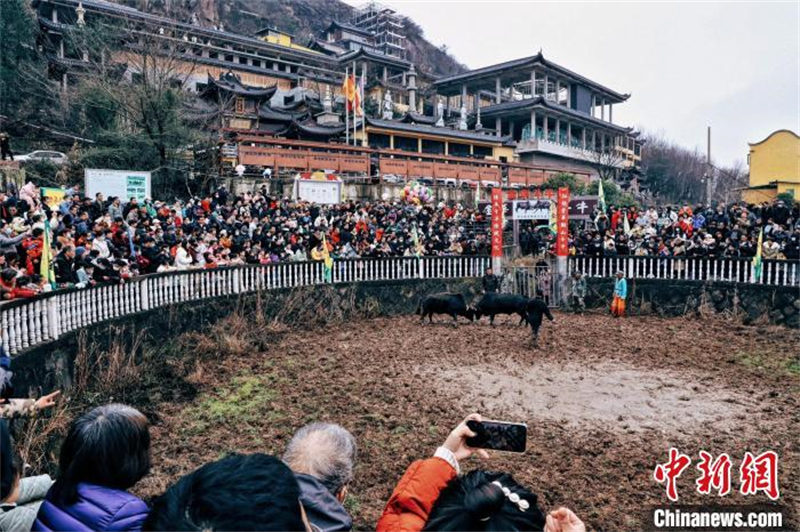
column 753, row 304
column 51, row 365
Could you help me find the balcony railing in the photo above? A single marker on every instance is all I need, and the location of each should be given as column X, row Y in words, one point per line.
column 27, row 323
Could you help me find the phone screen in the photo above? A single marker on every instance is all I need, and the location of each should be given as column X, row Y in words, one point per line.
column 498, row 435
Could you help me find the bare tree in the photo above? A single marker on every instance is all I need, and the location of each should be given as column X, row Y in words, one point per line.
column 142, row 77
column 609, row 163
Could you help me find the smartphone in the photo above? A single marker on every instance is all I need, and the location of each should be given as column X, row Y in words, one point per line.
column 498, row 435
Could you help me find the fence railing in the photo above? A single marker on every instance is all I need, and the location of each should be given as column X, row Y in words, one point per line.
column 26, row 323
column 773, row 272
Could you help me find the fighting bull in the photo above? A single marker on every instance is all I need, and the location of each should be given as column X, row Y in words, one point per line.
column 493, row 304
column 454, row 305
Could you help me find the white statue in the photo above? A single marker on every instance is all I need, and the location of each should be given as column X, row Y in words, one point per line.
column 439, row 114
column 388, row 106
column 462, row 120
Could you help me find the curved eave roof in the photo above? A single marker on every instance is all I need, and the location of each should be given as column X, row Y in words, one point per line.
column 268, row 113
column 312, row 128
column 242, row 90
column 772, row 135
column 539, row 102
column 415, row 118
column 530, row 62
column 375, row 56
column 423, row 129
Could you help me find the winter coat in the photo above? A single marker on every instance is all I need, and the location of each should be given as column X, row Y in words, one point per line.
column 97, row 508
column 621, row 288
column 414, row 496
column 323, row 509
column 22, row 514
column 9, row 244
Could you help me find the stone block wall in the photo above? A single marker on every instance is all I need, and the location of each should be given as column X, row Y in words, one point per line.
column 753, row 304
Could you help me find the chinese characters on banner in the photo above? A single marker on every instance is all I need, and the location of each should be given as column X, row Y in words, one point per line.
column 756, row 474
column 497, row 222
column 562, row 222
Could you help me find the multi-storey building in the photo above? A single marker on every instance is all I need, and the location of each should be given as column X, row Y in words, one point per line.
column 385, row 26
column 550, row 112
column 519, row 121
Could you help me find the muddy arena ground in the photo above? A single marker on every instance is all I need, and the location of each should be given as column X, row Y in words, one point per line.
column 604, row 400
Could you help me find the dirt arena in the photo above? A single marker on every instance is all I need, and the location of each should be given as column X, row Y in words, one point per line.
column 604, row 400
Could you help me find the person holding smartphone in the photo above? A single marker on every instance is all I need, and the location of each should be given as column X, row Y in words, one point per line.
column 433, row 496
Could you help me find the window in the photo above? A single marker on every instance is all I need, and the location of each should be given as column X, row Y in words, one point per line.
column 256, row 63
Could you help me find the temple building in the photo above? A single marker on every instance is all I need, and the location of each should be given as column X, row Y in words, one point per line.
column 514, row 123
column 552, row 114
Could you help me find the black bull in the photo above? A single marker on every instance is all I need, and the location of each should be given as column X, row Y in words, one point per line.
column 493, row 304
column 454, row 305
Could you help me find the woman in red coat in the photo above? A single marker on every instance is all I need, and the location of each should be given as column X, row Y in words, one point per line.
column 431, row 496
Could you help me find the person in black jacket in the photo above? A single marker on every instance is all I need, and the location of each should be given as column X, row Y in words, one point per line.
column 64, row 266
column 536, row 309
column 490, row 282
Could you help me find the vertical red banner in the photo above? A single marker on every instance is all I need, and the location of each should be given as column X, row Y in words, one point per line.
column 497, row 222
column 562, row 222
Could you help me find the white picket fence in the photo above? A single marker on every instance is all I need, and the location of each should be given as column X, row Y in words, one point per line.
column 26, row 323
column 773, row 272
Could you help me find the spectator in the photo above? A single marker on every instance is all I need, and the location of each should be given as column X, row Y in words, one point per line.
column 20, row 498
column 322, row 456
column 490, row 282
column 620, row 295
column 577, row 292
column 239, row 492
column 106, row 451
column 9, row 242
column 432, row 496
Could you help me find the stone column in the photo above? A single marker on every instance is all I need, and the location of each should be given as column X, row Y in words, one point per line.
column 546, row 87
column 497, row 90
column 569, row 134
column 533, row 83
column 583, row 137
column 569, row 95
column 463, row 95
column 558, row 130
column 602, row 109
column 546, row 126
column 498, row 127
column 611, row 113
column 385, row 75
column 594, row 139
column 533, row 124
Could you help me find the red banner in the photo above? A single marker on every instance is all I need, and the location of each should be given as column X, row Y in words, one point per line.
column 562, row 222
column 497, row 222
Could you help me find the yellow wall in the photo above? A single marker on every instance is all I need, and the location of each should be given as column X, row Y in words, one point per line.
column 776, row 158
column 285, row 40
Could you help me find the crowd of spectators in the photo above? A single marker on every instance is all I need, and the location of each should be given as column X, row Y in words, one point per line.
column 109, row 240
column 107, row 451
column 729, row 231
